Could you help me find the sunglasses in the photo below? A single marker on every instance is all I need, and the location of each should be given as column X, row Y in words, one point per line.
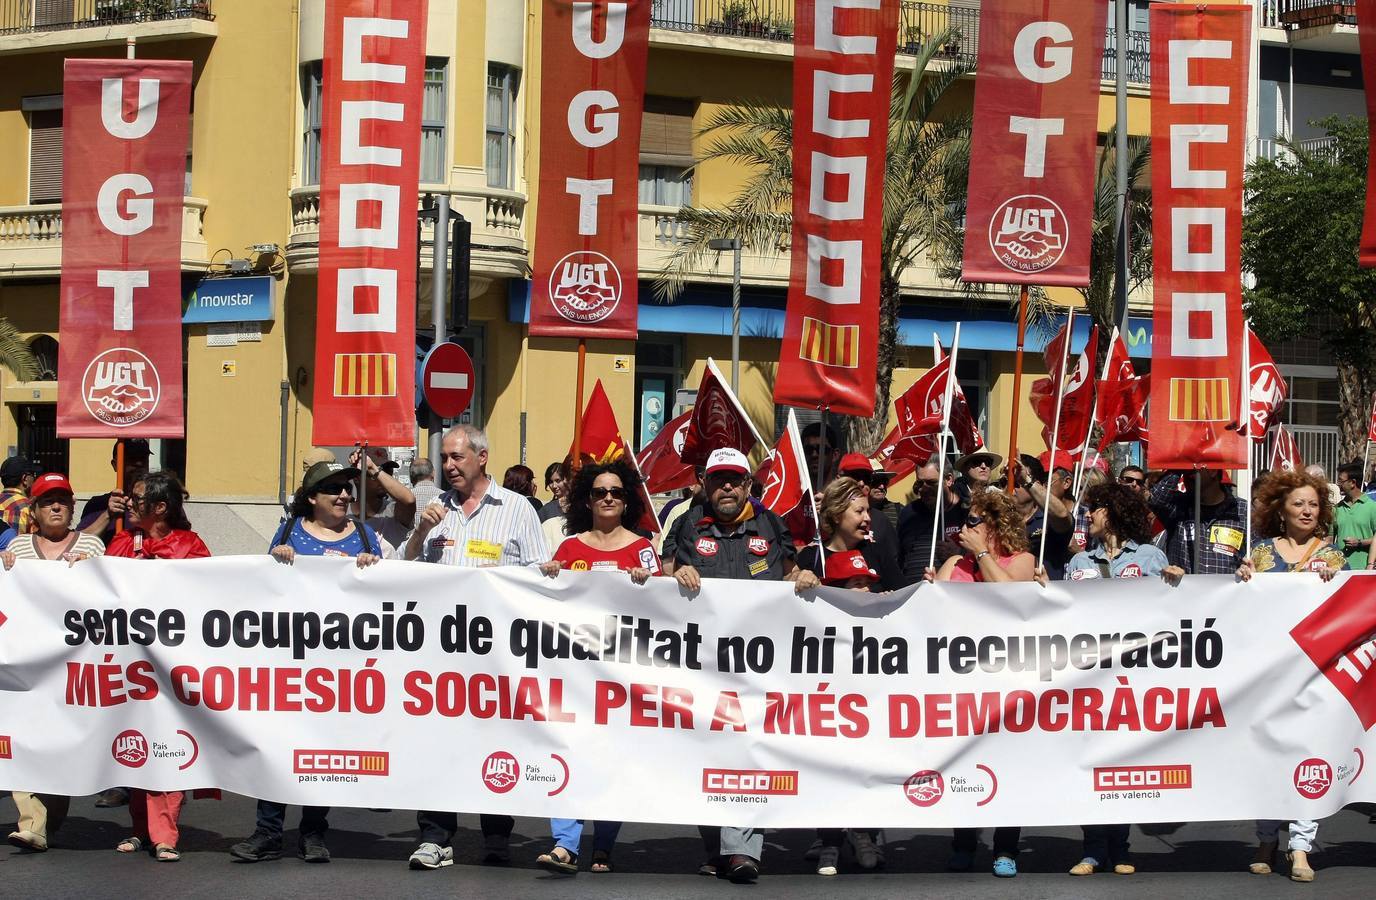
column 1134, row 481
column 974, row 521
column 981, row 464
column 334, row 489
column 928, row 482
column 615, row 493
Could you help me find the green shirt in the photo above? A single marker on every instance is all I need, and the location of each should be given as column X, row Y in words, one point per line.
column 1354, row 519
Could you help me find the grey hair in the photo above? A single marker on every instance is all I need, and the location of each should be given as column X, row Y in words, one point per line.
column 474, row 437
column 421, row 469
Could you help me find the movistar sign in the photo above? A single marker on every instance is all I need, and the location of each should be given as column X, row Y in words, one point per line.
column 231, row 300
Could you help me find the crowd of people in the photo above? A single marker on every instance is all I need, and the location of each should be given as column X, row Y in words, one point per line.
column 975, row 520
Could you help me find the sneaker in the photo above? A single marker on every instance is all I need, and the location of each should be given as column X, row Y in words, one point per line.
column 432, row 856
column 27, row 840
column 258, row 847
column 313, row 849
column 961, row 861
column 1087, row 866
column 1005, row 867
column 828, row 860
column 111, row 798
column 496, row 849
column 816, row 849
column 1124, row 869
column 867, row 855
column 741, row 869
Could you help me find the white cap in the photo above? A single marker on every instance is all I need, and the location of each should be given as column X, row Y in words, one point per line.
column 728, row 459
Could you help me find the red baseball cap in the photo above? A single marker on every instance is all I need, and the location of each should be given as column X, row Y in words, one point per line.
column 842, row 567
column 855, row 462
column 1059, row 460
column 46, row 484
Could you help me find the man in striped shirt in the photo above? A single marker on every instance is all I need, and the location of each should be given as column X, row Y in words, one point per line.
column 475, row 523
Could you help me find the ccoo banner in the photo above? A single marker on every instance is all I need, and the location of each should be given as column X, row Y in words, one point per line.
column 842, row 72
column 584, row 279
column 932, row 707
column 124, row 139
column 1200, row 59
column 374, row 72
column 1031, row 193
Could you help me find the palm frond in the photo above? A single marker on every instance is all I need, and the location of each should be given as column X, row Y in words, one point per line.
column 15, row 354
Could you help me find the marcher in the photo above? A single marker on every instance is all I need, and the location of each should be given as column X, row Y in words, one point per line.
column 556, row 482
column 521, row 480
column 1354, row 517
column 475, row 523
column 53, row 508
column 880, row 502
column 733, row 540
column 99, row 514
column 16, row 478
column 846, row 528
column 1033, row 478
column 423, row 486
column 882, row 533
column 320, row 525
column 1290, row 513
column 919, row 525
column 604, row 510
column 1134, row 477
column 1224, row 518
column 976, row 473
column 391, row 504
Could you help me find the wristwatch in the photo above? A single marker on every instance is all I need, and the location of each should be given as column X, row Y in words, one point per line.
column 980, row 555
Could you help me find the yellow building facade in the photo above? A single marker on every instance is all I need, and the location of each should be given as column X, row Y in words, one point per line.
column 252, row 181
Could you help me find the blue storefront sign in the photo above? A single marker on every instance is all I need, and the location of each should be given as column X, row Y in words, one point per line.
column 231, row 300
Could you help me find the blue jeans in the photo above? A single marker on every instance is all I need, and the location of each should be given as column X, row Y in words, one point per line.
column 568, row 832
column 1303, row 833
column 272, row 818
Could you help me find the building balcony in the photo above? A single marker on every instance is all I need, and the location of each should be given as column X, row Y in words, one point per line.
column 31, row 239
column 31, row 26
column 1323, row 148
column 497, row 217
column 764, row 26
column 1320, row 25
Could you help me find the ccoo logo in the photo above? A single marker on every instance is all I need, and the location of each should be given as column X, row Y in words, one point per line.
column 121, row 387
column 585, row 287
column 130, row 749
column 1313, row 778
column 500, row 772
column 1028, row 233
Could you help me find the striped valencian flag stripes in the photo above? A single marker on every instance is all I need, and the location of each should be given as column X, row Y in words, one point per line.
column 830, row 345
column 1201, row 400
column 365, row 375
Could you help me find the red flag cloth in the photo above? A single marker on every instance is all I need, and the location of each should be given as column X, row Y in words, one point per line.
column 787, row 479
column 602, row 443
column 1077, row 403
column 718, row 421
column 1032, row 170
column 660, row 462
column 1199, row 82
column 920, row 411
column 1285, row 453
column 365, row 330
column 583, row 282
column 124, row 139
column 842, row 71
column 1366, row 36
column 1122, row 408
column 1371, row 429
column 1267, row 390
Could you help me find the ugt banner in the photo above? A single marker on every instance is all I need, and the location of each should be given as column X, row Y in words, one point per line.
column 1032, row 170
column 1199, row 65
column 842, row 74
column 1366, row 35
column 374, row 74
column 124, row 139
column 584, row 278
column 937, row 706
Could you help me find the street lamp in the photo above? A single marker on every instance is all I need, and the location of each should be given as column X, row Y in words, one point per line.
column 734, row 245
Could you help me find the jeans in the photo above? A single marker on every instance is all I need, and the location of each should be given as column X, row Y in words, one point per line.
column 568, row 832
column 729, row 841
column 272, row 818
column 1302, row 833
column 439, row 827
column 1005, row 841
column 1106, row 843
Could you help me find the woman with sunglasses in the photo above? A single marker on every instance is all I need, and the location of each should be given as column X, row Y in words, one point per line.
column 994, row 541
column 605, row 508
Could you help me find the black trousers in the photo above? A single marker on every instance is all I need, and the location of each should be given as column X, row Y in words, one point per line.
column 439, row 827
column 1005, row 840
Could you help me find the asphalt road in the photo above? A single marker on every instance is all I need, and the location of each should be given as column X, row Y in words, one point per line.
column 370, row 850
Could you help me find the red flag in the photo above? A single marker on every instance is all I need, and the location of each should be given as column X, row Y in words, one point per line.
column 842, row 71
column 1371, row 429
column 1199, row 79
column 1031, row 191
column 124, row 127
column 1285, row 453
column 660, row 461
column 1366, row 36
column 602, row 443
column 920, row 411
column 787, row 480
column 1267, row 391
column 718, row 421
column 1077, row 403
column 586, row 249
column 1122, row 408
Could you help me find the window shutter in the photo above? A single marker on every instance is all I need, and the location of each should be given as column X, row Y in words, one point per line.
column 45, row 156
column 666, row 132
column 53, row 12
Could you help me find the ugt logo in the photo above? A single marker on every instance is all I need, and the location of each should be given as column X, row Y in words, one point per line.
column 1028, row 233
column 500, row 772
column 130, row 749
column 120, row 387
column 585, row 287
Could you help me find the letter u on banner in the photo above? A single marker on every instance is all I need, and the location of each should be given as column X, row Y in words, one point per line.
column 1031, row 192
column 842, row 72
column 124, row 138
column 1199, row 75
column 586, row 267
column 373, row 84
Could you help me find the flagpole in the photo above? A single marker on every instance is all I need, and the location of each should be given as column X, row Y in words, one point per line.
column 1246, row 390
column 941, row 446
column 119, row 480
column 578, row 406
column 1017, row 384
column 1055, row 432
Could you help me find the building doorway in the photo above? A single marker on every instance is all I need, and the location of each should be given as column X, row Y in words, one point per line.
column 38, row 440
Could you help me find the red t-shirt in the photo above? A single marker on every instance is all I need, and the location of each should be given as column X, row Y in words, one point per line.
column 178, row 544
column 577, row 556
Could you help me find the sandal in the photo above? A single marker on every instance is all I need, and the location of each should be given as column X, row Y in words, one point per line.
column 601, row 862
column 129, row 845
column 168, row 854
column 559, row 861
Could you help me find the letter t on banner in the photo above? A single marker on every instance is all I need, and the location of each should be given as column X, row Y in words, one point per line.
column 842, row 72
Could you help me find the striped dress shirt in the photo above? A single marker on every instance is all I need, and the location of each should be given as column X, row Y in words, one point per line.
column 503, row 531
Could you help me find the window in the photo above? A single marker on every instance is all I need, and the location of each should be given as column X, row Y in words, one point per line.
column 666, row 152
column 44, row 349
column 665, row 186
column 501, row 126
column 45, row 147
column 434, row 114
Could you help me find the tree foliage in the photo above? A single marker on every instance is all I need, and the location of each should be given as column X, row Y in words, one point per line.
column 15, row 354
column 1104, row 238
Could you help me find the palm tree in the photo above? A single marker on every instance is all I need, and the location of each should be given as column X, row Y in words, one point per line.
column 928, row 159
column 15, row 354
column 1103, row 248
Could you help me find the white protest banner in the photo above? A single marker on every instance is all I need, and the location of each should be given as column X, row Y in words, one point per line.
column 412, row 685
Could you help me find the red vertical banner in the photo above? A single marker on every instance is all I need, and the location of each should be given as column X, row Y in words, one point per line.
column 1030, row 213
column 584, row 279
column 1366, row 35
column 365, row 331
column 124, row 137
column 1199, row 78
column 842, row 75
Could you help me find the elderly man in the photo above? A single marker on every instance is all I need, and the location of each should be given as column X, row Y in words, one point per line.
column 732, row 539
column 16, row 476
column 919, row 525
column 976, row 470
column 475, row 523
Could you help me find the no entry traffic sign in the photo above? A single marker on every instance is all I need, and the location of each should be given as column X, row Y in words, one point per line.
column 447, row 380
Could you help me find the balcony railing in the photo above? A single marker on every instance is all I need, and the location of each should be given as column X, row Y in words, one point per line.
column 1324, row 148
column 1314, row 13
column 919, row 23
column 18, row 16
column 31, row 236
